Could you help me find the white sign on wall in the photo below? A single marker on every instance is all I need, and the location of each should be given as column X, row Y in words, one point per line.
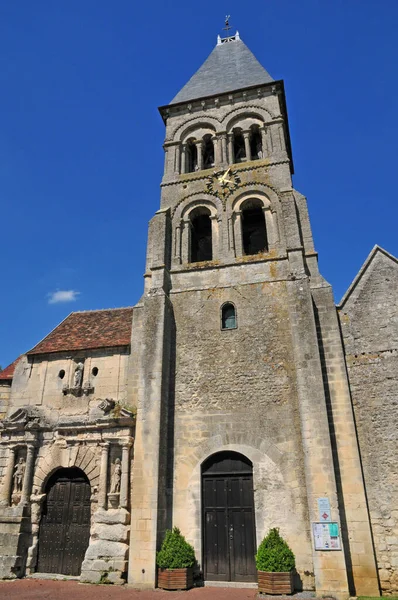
column 326, row 536
column 325, row 515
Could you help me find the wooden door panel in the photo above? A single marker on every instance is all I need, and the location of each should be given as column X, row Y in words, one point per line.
column 242, row 548
column 229, row 531
column 77, row 532
column 65, row 524
column 217, row 560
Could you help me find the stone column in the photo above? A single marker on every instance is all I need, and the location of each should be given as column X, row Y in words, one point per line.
column 281, row 136
column 186, row 240
column 183, row 158
column 103, row 482
column 272, row 233
column 217, row 150
column 199, row 157
column 124, row 482
column 231, row 240
column 177, row 244
column 166, row 159
column 27, row 480
column 214, row 237
column 246, row 137
column 223, row 148
column 238, row 234
column 264, row 144
column 7, row 484
column 177, row 159
column 231, row 157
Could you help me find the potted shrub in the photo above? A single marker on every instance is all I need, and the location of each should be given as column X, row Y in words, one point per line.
column 275, row 563
column 175, row 560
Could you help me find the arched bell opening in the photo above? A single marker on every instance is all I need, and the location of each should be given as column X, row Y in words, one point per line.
column 64, row 531
column 201, row 247
column 239, row 145
column 256, row 143
column 254, row 232
column 208, row 152
column 228, row 519
column 191, row 156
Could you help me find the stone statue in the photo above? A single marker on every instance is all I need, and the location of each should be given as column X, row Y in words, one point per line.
column 19, row 475
column 116, row 476
column 78, row 375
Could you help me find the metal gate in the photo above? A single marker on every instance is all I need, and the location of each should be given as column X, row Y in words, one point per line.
column 65, row 524
column 229, row 542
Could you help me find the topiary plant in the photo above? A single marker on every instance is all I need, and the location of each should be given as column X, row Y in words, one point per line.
column 175, row 552
column 274, row 555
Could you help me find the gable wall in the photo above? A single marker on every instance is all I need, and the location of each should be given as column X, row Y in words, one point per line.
column 37, row 383
column 369, row 323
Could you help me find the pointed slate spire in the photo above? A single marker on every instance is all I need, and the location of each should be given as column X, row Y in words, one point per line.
column 230, row 67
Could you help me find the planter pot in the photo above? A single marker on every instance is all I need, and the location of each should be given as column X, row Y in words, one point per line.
column 175, row 579
column 275, row 583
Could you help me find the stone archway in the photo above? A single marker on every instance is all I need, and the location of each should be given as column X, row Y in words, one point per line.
column 65, row 524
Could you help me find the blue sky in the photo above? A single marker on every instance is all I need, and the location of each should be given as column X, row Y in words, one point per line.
column 81, row 140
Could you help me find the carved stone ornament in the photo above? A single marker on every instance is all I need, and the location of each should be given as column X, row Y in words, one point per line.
column 19, row 416
column 124, row 412
column 107, row 405
column 86, row 389
column 114, row 500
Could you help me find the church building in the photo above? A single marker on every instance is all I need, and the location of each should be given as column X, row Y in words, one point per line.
column 234, row 397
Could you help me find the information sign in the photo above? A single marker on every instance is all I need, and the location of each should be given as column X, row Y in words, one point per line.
column 326, row 536
column 325, row 515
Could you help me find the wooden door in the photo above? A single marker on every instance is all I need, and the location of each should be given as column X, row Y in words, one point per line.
column 65, row 523
column 229, row 543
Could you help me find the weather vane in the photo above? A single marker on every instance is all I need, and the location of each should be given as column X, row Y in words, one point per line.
column 227, row 26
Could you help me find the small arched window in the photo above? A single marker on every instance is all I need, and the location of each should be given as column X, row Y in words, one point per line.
column 201, row 240
column 208, row 152
column 239, row 146
column 256, row 143
column 228, row 316
column 191, row 156
column 254, row 233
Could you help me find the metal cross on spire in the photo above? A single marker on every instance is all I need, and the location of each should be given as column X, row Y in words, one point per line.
column 227, row 25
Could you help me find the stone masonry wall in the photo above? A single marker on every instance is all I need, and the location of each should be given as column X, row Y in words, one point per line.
column 235, row 390
column 5, row 390
column 369, row 323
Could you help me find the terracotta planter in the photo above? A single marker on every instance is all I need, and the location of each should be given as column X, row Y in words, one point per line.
column 175, row 579
column 275, row 583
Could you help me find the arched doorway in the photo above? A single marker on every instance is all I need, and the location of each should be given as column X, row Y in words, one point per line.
column 229, row 537
column 65, row 524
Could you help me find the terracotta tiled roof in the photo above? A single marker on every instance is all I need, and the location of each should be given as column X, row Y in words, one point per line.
column 89, row 329
column 8, row 372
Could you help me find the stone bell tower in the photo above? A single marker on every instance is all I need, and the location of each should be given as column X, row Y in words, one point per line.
column 240, row 378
